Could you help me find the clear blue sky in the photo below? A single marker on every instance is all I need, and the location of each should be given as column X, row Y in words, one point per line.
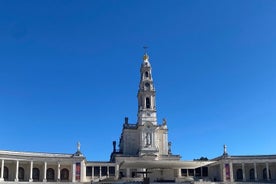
column 69, row 71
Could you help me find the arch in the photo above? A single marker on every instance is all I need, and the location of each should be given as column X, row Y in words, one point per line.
column 251, row 174
column 50, row 176
column 265, row 174
column 6, row 173
column 239, row 174
column 146, row 74
column 36, row 174
column 64, row 174
column 147, row 86
column 148, row 103
column 21, row 173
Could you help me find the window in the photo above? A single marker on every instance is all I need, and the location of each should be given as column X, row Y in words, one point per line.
column 97, row 171
column 191, row 172
column 112, row 171
column 6, row 173
column 146, row 74
column 239, row 174
column 265, row 174
column 198, row 172
column 50, row 174
column 147, row 102
column 64, row 175
column 21, row 174
column 104, row 171
column 36, row 174
column 205, row 171
column 251, row 174
column 183, row 172
column 88, row 171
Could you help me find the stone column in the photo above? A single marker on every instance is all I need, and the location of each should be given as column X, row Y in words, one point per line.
column 187, row 171
column 107, row 171
column 128, row 172
column 231, row 172
column 117, row 171
column 2, row 170
column 100, row 172
column 73, row 172
column 45, row 172
column 82, row 172
column 255, row 172
column 31, row 171
column 179, row 173
column 92, row 177
column 223, row 172
column 267, row 171
column 201, row 172
column 243, row 172
column 58, row 172
column 16, row 171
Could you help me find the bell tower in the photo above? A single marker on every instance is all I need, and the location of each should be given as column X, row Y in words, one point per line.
column 146, row 138
column 146, row 94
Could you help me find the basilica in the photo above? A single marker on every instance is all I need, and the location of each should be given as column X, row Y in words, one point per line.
column 144, row 155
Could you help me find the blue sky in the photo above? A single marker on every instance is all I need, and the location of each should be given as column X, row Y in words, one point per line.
column 69, row 71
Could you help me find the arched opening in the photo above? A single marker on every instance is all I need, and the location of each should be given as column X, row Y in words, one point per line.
column 6, row 173
column 251, row 174
column 147, row 102
column 239, row 174
column 50, row 174
column 147, row 86
column 146, row 74
column 21, row 173
column 265, row 174
column 64, row 175
column 36, row 174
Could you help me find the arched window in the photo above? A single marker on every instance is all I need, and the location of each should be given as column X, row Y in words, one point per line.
column 21, row 174
column 146, row 74
column 147, row 102
column 36, row 174
column 251, row 174
column 64, row 175
column 6, row 173
column 239, row 174
column 50, row 174
column 265, row 174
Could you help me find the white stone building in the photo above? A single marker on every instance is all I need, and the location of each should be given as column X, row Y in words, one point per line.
column 144, row 152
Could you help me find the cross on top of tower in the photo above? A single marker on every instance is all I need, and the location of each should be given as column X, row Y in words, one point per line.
column 146, row 56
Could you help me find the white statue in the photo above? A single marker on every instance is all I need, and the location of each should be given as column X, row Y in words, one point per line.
column 148, row 139
column 78, row 146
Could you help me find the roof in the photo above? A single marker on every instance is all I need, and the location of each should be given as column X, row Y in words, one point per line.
column 34, row 154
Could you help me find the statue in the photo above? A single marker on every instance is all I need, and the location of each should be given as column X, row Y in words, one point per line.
column 78, row 146
column 148, row 139
column 164, row 122
column 169, row 146
column 114, row 146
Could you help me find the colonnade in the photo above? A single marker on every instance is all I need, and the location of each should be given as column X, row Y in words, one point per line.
column 248, row 171
column 17, row 170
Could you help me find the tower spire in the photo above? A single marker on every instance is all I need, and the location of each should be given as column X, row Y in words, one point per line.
column 146, row 94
